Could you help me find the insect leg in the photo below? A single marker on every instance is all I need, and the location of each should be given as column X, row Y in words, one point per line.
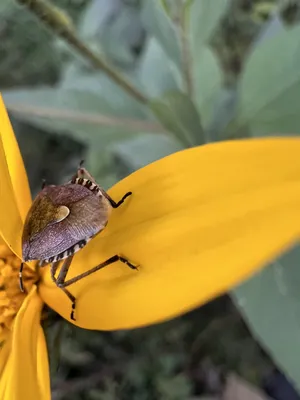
column 64, row 268
column 53, row 270
column 112, row 202
column 111, row 260
column 81, row 172
column 21, row 277
column 61, row 283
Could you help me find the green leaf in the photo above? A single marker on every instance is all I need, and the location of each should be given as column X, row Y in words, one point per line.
column 114, row 28
column 207, row 83
column 5, row 6
column 175, row 387
column 177, row 113
column 122, row 35
column 112, row 99
column 202, row 20
column 58, row 100
column 98, row 138
column 204, row 17
column 156, row 72
column 270, row 86
column 223, row 113
column 141, row 150
column 273, row 26
column 270, row 304
column 90, row 93
column 99, row 160
column 96, row 16
column 159, row 24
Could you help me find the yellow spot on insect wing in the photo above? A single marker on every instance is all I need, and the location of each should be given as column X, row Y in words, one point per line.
column 62, row 213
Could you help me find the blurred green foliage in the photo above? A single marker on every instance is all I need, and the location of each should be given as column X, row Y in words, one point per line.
column 211, row 70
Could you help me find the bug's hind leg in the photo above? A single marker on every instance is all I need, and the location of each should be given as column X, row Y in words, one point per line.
column 61, row 279
column 61, row 276
column 61, row 283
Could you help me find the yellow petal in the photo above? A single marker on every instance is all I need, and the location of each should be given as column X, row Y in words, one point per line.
column 198, row 222
column 15, row 163
column 14, row 191
column 26, row 374
column 4, row 355
column 5, row 375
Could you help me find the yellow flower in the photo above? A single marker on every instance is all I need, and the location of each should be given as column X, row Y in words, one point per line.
column 198, row 222
column 24, row 372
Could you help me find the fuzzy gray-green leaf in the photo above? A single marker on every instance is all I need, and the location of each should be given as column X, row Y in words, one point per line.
column 203, row 18
column 158, row 74
column 207, row 78
column 177, row 113
column 270, row 86
column 141, row 150
column 160, row 25
column 270, row 304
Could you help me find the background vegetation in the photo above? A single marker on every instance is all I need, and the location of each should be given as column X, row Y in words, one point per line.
column 198, row 71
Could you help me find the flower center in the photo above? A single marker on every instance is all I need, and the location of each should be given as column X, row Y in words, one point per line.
column 11, row 297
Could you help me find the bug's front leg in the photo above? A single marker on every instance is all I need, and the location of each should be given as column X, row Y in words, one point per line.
column 112, row 202
column 81, row 172
column 62, row 283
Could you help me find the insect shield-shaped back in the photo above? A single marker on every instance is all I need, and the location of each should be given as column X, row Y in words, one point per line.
column 61, row 220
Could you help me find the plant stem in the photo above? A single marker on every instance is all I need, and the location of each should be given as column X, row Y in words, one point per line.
column 60, row 25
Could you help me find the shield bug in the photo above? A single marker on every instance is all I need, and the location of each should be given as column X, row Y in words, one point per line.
column 61, row 221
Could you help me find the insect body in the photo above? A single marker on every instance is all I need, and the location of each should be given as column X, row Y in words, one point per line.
column 61, row 221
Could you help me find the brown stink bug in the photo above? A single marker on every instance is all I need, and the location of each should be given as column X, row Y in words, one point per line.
column 61, row 221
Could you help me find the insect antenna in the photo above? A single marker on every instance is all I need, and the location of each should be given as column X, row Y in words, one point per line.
column 21, row 277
